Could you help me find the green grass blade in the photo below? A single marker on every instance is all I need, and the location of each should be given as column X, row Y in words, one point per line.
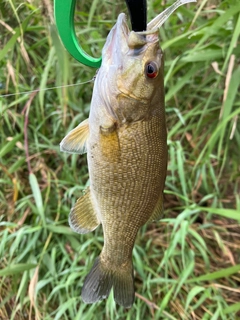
column 9, row 145
column 180, row 84
column 91, row 13
column 192, row 294
column 10, row 44
column 37, row 196
column 223, row 273
column 232, row 309
column 185, row 274
column 233, row 42
column 16, row 268
column 44, row 79
column 228, row 213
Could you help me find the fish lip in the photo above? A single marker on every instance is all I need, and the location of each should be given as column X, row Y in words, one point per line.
column 121, row 28
column 122, row 24
column 116, row 42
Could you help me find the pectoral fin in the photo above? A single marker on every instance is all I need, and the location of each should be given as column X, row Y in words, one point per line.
column 83, row 217
column 75, row 141
column 158, row 210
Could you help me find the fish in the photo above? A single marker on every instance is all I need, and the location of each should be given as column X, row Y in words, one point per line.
column 125, row 138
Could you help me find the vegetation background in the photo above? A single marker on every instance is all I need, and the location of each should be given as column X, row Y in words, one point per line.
column 187, row 266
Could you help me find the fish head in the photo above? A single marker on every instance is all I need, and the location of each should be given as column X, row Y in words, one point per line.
column 130, row 80
column 133, row 69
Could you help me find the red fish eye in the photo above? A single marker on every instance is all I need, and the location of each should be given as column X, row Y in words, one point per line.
column 151, row 70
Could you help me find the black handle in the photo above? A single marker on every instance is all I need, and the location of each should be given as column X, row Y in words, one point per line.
column 138, row 14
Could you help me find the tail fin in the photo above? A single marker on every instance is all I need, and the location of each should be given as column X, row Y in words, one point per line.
column 100, row 280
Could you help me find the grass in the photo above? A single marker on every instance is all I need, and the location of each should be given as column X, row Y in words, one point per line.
column 188, row 265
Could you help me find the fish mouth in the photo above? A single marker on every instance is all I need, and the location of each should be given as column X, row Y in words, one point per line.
column 132, row 39
column 120, row 40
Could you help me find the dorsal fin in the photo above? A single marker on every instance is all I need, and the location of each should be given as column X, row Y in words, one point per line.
column 75, row 141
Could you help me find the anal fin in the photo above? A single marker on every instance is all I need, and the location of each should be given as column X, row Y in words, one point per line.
column 75, row 141
column 83, row 217
column 158, row 210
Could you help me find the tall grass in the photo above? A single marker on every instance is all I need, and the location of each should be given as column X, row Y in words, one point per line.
column 187, row 266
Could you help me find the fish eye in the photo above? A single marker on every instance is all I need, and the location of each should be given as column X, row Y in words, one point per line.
column 151, row 70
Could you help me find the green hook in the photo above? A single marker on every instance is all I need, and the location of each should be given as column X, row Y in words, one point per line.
column 64, row 17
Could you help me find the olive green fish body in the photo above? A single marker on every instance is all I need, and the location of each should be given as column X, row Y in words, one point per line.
column 125, row 139
column 127, row 148
column 126, row 143
column 127, row 168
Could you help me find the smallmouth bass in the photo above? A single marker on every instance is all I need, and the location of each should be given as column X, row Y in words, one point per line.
column 125, row 139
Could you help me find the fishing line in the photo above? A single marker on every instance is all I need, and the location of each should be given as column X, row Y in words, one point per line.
column 45, row 89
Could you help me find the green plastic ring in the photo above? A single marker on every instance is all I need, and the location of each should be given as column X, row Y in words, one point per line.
column 64, row 17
